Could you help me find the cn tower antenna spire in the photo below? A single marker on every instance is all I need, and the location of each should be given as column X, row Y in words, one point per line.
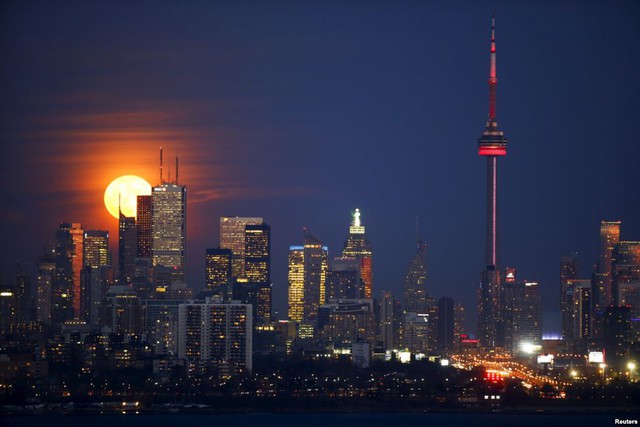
column 493, row 78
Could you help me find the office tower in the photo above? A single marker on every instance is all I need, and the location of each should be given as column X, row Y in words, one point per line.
column 62, row 288
column 96, row 273
column 218, row 270
column 521, row 314
column 359, row 247
column 77, row 236
column 307, row 279
column 144, row 221
column 257, row 253
column 343, row 280
column 232, row 236
column 219, row 336
column 127, row 247
column 626, row 281
column 96, row 248
column 97, row 281
column 296, row 283
column 45, row 281
column 257, row 267
column 415, row 288
column 417, row 332
column 446, row 324
column 169, row 229
column 491, row 144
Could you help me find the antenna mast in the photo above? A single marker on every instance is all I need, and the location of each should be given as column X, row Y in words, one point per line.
column 161, row 182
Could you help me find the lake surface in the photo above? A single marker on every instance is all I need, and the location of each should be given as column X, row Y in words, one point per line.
column 315, row 420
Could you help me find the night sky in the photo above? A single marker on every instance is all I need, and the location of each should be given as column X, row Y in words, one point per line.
column 300, row 112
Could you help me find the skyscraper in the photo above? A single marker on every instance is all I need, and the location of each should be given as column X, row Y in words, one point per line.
column 144, row 221
column 358, row 246
column 568, row 274
column 491, row 145
column 521, row 313
column 232, row 236
column 96, row 248
column 601, row 279
column 626, row 281
column 257, row 267
column 45, row 283
column 96, row 273
column 169, row 228
column 127, row 247
column 62, row 288
column 307, row 279
column 218, row 270
column 77, row 237
column 415, row 289
column 446, row 324
column 386, row 320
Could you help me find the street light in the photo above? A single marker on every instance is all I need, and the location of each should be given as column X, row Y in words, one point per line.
column 632, row 367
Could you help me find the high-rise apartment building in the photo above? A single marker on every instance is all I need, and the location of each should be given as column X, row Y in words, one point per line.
column 307, row 279
column 233, row 236
column 626, row 281
column 568, row 273
column 601, row 290
column 521, row 314
column 216, row 335
column 45, row 283
column 387, row 320
column 358, row 246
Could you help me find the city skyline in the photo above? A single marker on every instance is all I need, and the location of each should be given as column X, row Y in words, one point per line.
column 384, row 109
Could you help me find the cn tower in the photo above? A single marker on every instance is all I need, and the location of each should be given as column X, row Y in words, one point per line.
column 491, row 144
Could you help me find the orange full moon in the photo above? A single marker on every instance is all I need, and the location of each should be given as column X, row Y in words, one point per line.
column 122, row 194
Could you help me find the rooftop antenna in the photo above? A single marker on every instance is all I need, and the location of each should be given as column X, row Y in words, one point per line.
column 176, row 169
column 161, row 182
column 418, row 231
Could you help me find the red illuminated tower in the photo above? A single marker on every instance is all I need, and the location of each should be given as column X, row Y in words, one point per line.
column 491, row 145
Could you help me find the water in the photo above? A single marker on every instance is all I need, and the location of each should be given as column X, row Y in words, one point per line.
column 316, row 420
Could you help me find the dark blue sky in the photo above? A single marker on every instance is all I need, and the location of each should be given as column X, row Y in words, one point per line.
column 302, row 111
